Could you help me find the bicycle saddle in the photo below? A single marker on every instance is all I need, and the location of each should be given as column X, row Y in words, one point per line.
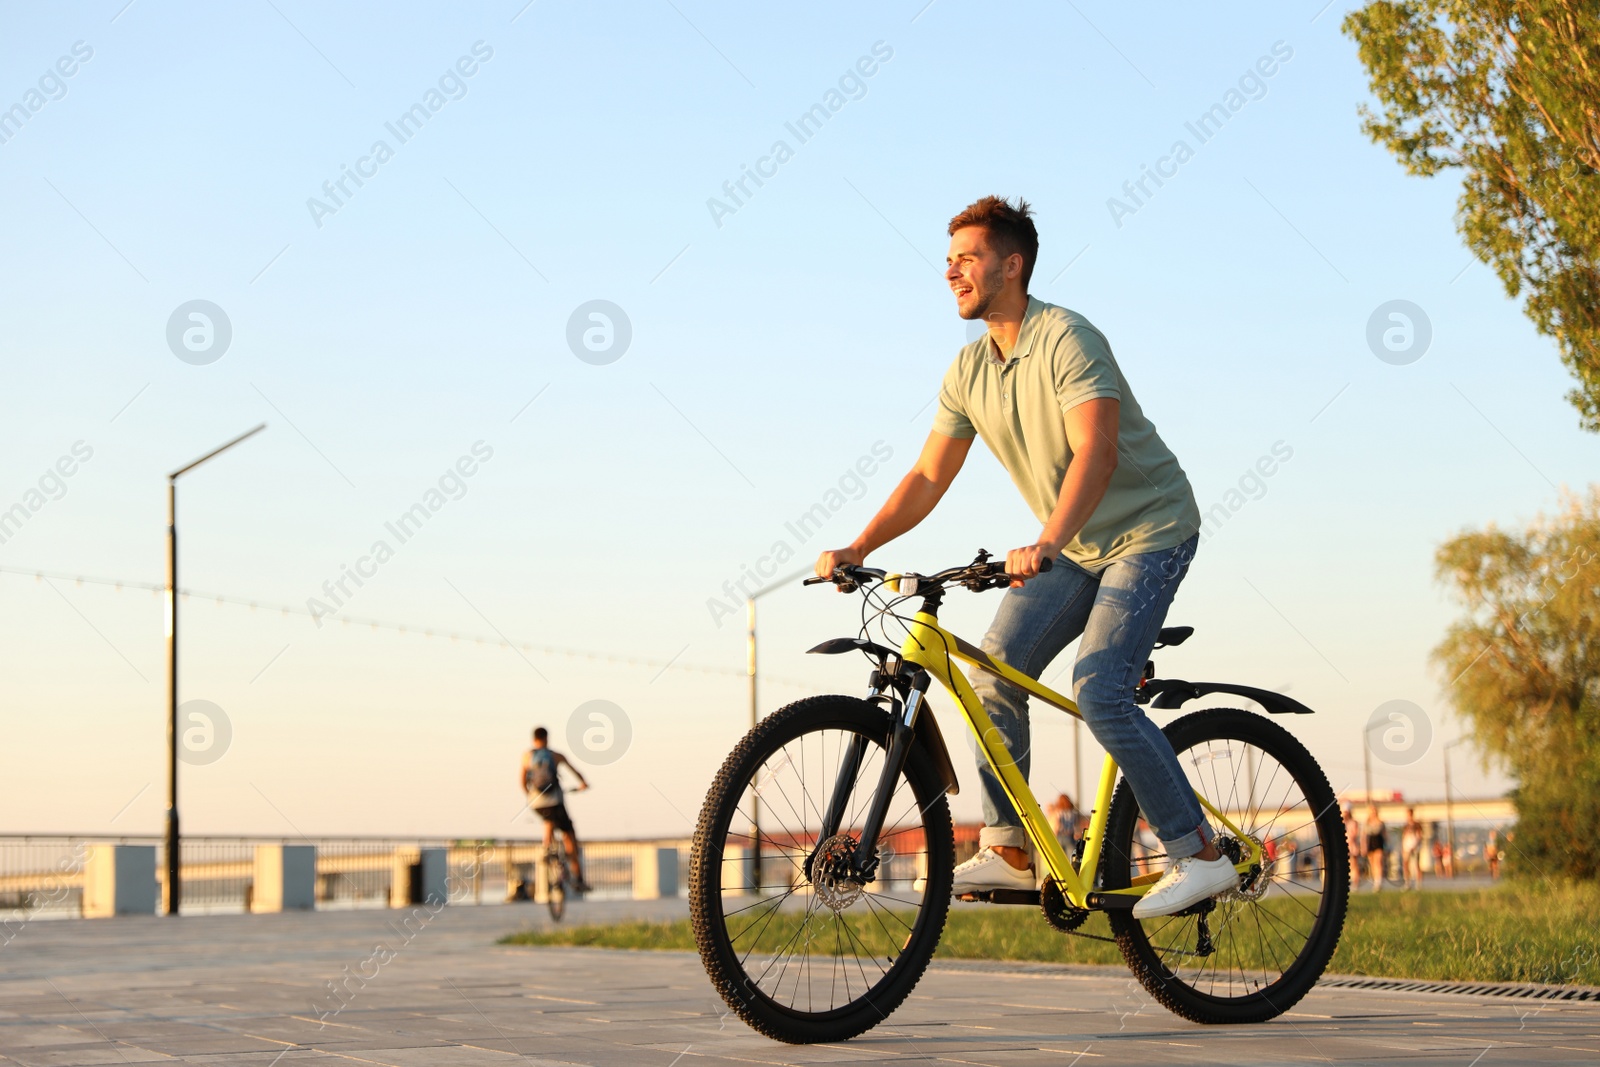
column 1173, row 635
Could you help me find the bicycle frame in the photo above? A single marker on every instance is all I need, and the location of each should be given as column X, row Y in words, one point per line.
column 935, row 649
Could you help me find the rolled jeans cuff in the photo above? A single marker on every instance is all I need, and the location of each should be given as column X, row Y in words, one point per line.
column 1009, row 837
column 1189, row 844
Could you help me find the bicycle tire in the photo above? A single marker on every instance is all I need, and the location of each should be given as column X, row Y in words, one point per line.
column 1247, row 931
column 807, row 730
column 555, row 893
column 1394, row 861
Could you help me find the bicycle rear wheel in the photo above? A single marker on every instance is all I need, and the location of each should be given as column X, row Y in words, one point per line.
column 1271, row 938
column 802, row 953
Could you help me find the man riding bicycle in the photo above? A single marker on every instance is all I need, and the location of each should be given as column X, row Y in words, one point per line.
column 541, row 780
column 1043, row 390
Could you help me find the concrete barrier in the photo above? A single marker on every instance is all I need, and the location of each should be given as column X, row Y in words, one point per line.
column 285, row 877
column 735, row 868
column 418, row 876
column 655, row 872
column 119, row 880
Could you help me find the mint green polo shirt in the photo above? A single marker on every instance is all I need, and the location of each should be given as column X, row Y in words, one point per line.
column 1017, row 405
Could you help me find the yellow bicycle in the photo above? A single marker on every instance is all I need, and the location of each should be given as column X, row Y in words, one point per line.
column 820, row 873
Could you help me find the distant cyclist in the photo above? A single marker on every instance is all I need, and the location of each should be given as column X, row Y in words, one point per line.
column 541, row 780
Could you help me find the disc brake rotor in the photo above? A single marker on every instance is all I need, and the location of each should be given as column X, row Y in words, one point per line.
column 832, row 878
column 1253, row 886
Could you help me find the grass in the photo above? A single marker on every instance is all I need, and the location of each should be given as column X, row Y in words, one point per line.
column 1521, row 932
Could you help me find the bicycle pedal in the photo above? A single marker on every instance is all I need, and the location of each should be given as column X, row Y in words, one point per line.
column 1004, row 896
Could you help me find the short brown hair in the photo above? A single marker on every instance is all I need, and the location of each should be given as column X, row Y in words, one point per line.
column 1011, row 230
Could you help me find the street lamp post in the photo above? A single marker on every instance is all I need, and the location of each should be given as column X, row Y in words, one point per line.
column 1449, row 807
column 174, row 894
column 755, row 716
column 1366, row 752
column 1366, row 755
column 1077, row 762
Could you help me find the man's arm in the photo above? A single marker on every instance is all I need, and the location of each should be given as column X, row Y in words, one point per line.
column 565, row 762
column 1092, row 436
column 910, row 503
column 527, row 765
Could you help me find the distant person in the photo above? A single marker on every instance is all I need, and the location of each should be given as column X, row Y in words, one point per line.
column 541, row 780
column 1352, row 844
column 1067, row 821
column 1145, row 845
column 1377, row 840
column 1291, row 857
column 1411, row 850
column 1491, row 853
column 1443, row 863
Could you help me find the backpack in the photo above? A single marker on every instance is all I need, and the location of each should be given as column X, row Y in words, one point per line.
column 544, row 779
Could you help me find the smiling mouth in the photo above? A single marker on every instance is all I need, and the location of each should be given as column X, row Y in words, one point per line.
column 963, row 290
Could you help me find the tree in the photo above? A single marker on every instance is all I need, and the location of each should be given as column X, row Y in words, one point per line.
column 1509, row 92
column 1524, row 670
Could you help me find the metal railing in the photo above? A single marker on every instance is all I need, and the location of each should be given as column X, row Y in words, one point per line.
column 43, row 875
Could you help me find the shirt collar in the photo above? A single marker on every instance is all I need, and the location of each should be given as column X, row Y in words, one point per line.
column 1025, row 335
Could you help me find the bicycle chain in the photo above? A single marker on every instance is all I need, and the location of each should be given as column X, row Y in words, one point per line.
column 1064, row 918
column 1061, row 915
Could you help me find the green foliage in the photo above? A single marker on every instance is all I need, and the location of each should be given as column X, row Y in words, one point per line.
column 1509, row 92
column 1526, row 932
column 1523, row 665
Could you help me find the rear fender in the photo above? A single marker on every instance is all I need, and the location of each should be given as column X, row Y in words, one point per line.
column 1167, row 693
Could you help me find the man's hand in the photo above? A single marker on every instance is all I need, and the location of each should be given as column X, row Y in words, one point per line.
column 838, row 557
column 1023, row 563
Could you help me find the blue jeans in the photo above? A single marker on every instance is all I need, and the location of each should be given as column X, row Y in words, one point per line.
column 1118, row 613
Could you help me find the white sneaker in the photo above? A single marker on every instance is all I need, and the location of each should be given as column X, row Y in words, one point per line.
column 1188, row 881
column 987, row 871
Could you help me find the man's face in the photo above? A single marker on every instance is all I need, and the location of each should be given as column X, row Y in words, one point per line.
column 975, row 271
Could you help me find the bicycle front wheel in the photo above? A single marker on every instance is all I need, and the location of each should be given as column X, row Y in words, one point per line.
column 799, row 950
column 555, row 893
column 1253, row 952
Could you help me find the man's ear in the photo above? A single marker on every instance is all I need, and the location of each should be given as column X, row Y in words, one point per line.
column 1013, row 267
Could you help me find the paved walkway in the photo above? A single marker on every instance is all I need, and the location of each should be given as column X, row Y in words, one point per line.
column 437, row 992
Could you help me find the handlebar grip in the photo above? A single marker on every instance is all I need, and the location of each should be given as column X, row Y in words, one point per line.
column 815, row 580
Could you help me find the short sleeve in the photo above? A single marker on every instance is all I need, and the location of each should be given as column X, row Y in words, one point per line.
column 951, row 419
column 1084, row 369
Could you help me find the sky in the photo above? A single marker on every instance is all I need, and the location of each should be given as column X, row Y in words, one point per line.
column 594, row 486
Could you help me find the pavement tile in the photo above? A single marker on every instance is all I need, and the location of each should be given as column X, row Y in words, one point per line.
column 246, row 990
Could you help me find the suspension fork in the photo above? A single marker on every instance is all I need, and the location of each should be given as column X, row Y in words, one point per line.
column 849, row 767
column 901, row 738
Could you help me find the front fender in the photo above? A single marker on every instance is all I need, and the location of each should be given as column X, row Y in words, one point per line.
column 836, row 645
column 931, row 738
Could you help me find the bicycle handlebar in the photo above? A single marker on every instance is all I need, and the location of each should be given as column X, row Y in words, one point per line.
column 978, row 575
